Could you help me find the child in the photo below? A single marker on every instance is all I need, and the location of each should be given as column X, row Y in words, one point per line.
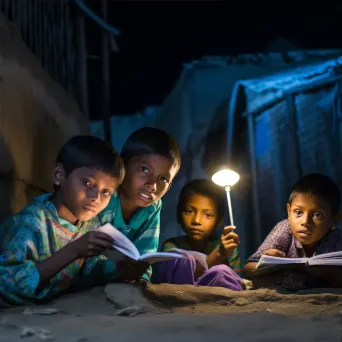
column 50, row 245
column 200, row 211
column 152, row 160
column 313, row 211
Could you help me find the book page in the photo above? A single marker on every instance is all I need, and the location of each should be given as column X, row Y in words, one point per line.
column 325, row 261
column 151, row 258
column 199, row 257
column 115, row 255
column 266, row 261
column 334, row 255
column 120, row 241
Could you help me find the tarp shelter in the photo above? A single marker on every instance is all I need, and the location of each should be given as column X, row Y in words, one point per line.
column 292, row 120
column 197, row 112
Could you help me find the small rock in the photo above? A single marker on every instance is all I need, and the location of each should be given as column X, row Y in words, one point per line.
column 268, row 310
column 314, row 302
column 50, row 311
column 223, row 302
column 130, row 311
column 26, row 332
column 44, row 335
column 241, row 302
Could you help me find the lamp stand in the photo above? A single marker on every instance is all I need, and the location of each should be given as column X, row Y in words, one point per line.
column 227, row 188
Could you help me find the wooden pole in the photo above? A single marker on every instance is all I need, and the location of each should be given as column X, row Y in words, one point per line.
column 81, row 63
column 105, row 66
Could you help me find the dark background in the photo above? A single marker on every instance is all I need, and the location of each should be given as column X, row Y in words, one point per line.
column 158, row 37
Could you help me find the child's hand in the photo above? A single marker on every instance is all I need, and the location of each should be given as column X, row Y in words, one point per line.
column 92, row 244
column 229, row 241
column 129, row 269
column 275, row 253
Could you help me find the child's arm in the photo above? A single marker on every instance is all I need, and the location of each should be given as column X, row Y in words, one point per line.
column 20, row 253
column 89, row 245
column 227, row 252
column 147, row 240
column 24, row 276
column 276, row 243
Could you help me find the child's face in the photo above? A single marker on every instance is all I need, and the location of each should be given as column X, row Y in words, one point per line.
column 310, row 218
column 199, row 217
column 85, row 192
column 147, row 179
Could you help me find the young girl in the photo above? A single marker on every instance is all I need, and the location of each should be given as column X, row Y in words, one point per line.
column 313, row 211
column 200, row 211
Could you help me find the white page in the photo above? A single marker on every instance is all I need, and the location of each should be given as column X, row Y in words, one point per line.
column 151, row 258
column 115, row 255
column 120, row 241
column 330, row 261
column 200, row 257
column 328, row 255
column 267, row 260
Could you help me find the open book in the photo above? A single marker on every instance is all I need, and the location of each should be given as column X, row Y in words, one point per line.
column 268, row 264
column 124, row 246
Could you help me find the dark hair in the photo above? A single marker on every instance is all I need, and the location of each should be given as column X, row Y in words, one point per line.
column 203, row 187
column 321, row 186
column 149, row 140
column 89, row 151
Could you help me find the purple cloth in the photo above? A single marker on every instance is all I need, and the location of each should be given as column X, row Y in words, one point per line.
column 182, row 271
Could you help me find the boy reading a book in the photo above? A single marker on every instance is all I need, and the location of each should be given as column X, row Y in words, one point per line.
column 200, row 212
column 152, row 160
column 313, row 211
column 50, row 246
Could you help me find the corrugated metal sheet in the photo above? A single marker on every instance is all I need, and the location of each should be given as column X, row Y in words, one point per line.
column 299, row 132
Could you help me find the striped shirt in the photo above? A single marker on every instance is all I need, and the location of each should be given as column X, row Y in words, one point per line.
column 143, row 229
column 181, row 243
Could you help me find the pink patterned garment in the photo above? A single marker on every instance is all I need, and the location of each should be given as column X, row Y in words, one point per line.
column 281, row 238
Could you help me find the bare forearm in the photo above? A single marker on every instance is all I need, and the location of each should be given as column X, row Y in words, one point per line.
column 216, row 258
column 249, row 268
column 51, row 266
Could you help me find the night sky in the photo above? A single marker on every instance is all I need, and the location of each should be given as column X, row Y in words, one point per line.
column 158, row 37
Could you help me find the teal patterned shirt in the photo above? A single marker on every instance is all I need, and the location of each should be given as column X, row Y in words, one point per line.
column 37, row 232
column 143, row 229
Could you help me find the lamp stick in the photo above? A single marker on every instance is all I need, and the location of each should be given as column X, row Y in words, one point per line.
column 227, row 188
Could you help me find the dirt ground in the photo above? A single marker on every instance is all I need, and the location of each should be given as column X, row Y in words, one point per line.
column 123, row 312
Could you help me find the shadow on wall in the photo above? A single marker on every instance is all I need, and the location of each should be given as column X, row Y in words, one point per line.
column 12, row 189
column 6, row 180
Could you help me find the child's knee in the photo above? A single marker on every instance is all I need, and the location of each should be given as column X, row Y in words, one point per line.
column 220, row 269
column 224, row 271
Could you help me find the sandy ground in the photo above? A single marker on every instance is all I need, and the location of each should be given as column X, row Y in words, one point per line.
column 183, row 312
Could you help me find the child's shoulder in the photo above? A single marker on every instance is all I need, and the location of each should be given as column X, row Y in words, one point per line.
column 33, row 212
column 114, row 203
column 283, row 225
column 282, row 228
column 177, row 241
column 156, row 205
